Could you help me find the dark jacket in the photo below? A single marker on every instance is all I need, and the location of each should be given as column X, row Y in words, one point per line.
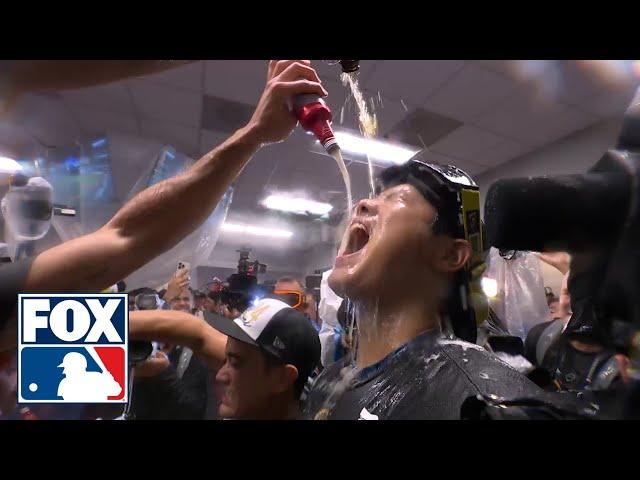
column 428, row 378
column 166, row 396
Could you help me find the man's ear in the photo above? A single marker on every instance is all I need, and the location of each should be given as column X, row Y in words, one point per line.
column 455, row 254
column 285, row 378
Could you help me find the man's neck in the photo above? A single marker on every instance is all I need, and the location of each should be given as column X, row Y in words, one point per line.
column 383, row 329
column 282, row 409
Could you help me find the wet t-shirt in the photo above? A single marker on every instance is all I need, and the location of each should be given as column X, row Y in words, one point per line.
column 426, row 379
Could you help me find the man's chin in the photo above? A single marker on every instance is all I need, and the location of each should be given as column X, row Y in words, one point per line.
column 225, row 412
column 344, row 281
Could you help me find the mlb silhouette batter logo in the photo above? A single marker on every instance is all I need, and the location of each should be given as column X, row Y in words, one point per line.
column 72, row 348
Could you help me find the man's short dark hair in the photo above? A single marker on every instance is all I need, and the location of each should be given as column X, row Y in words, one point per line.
column 300, row 382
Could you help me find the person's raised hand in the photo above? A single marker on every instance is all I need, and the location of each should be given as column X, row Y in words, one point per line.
column 559, row 260
column 272, row 120
column 176, row 285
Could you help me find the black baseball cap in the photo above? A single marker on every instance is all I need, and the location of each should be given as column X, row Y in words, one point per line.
column 278, row 330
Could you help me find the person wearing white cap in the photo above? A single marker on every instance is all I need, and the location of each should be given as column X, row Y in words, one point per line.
column 263, row 357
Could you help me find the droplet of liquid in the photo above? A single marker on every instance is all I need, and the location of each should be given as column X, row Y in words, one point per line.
column 368, row 122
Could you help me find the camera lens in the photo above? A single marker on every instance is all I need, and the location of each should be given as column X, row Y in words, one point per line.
column 139, row 351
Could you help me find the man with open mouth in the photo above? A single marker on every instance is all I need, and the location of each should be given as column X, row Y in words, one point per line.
column 399, row 263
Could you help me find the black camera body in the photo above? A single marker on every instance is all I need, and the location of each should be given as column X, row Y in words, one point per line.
column 594, row 216
column 241, row 286
column 141, row 350
column 247, row 267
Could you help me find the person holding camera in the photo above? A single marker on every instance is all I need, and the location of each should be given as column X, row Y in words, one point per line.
column 137, row 233
column 173, row 383
column 572, row 363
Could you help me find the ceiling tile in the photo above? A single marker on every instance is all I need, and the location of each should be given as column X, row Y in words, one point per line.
column 503, row 152
column 48, row 119
column 531, row 119
column 237, row 80
column 470, row 92
column 411, row 80
column 113, row 97
column 188, row 77
column 223, row 115
column 466, row 142
column 520, row 69
column 182, row 138
column 165, row 103
column 95, row 121
column 609, row 104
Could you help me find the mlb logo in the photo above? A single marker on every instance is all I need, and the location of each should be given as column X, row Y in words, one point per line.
column 72, row 348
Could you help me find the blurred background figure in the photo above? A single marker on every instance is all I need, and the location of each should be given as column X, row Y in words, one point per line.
column 173, row 383
column 566, row 363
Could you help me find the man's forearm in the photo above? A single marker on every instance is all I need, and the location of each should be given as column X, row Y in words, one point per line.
column 184, row 201
column 179, row 328
column 29, row 75
column 138, row 232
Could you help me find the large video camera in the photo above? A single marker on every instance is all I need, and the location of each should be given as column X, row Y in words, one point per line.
column 241, row 287
column 596, row 217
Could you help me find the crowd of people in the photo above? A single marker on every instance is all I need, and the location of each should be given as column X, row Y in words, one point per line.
column 378, row 344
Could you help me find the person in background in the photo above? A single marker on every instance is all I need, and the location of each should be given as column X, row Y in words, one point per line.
column 331, row 331
column 311, row 312
column 199, row 301
column 181, row 301
column 571, row 364
column 290, row 291
column 175, row 286
column 173, row 384
column 263, row 358
column 552, row 303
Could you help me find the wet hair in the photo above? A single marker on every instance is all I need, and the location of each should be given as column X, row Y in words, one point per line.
column 433, row 189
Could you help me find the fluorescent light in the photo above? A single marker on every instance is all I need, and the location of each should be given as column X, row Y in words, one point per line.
column 383, row 151
column 258, row 231
column 99, row 143
column 296, row 205
column 489, row 287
